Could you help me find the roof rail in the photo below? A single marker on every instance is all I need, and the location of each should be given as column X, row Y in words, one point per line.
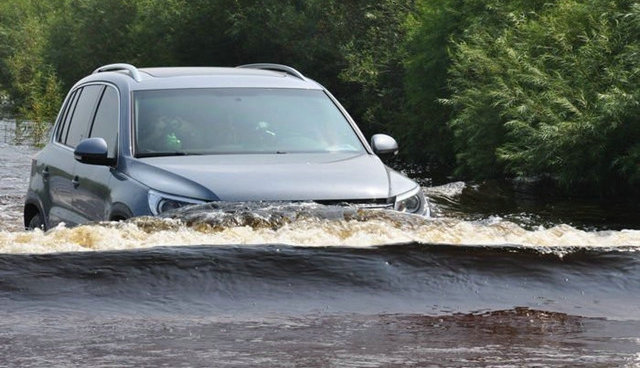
column 278, row 67
column 133, row 71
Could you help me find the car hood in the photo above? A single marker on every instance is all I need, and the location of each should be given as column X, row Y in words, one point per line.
column 317, row 176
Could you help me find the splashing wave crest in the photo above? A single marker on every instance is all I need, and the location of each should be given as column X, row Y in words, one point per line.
column 303, row 225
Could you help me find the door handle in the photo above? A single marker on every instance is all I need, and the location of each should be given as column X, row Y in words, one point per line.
column 75, row 181
column 45, row 174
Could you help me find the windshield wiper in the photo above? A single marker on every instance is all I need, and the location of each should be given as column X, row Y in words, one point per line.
column 160, row 154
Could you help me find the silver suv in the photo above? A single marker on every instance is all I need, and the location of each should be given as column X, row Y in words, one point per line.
column 130, row 142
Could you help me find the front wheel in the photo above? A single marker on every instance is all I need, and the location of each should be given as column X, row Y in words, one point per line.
column 36, row 222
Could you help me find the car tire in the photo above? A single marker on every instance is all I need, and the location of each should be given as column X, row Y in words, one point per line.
column 120, row 212
column 36, row 222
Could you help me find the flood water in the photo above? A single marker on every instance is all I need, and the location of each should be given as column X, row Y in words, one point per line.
column 497, row 277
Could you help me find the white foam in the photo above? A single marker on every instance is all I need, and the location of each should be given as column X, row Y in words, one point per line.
column 145, row 233
column 449, row 190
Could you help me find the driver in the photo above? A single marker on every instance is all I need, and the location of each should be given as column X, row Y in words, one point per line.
column 165, row 134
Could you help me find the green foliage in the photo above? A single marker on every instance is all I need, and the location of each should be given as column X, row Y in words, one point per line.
column 429, row 30
column 488, row 88
column 554, row 92
column 374, row 55
column 85, row 34
column 33, row 83
column 353, row 48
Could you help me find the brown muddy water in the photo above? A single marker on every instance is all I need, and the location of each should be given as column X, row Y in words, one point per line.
column 497, row 277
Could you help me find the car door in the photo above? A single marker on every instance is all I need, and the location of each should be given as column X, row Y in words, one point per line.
column 59, row 168
column 92, row 197
column 55, row 166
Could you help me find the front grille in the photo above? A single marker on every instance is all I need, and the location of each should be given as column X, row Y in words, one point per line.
column 366, row 203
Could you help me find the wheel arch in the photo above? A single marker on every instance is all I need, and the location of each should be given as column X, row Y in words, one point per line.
column 119, row 212
column 32, row 208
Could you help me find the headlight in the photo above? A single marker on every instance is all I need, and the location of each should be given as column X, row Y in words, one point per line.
column 161, row 202
column 412, row 201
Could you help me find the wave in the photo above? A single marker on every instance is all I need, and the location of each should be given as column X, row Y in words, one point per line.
column 308, row 225
column 264, row 279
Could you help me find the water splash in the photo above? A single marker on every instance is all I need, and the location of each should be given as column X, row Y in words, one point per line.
column 14, row 179
column 306, row 225
column 450, row 190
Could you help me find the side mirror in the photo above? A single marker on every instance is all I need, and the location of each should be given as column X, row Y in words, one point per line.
column 93, row 151
column 383, row 144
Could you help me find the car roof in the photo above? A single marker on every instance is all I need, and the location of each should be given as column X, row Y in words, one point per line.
column 203, row 77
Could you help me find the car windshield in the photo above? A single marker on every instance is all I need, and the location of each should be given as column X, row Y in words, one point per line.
column 239, row 120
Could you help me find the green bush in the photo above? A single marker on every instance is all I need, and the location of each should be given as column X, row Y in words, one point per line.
column 554, row 92
column 34, row 84
column 488, row 88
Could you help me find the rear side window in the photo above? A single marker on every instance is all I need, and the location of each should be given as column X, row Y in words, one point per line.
column 82, row 115
column 66, row 117
column 105, row 124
